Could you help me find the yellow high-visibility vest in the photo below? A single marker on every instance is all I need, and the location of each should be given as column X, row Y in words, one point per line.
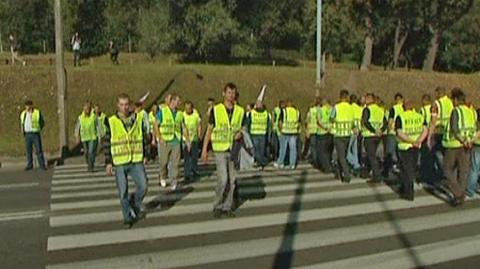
column 88, row 128
column 291, row 118
column 259, row 122
column 466, row 125
column 357, row 115
column 312, row 124
column 225, row 128
column 126, row 146
column 35, row 120
column 426, row 113
column 397, row 109
column 444, row 111
column 191, row 123
column 325, row 119
column 412, row 125
column 170, row 127
column 343, row 123
column 276, row 114
column 377, row 115
column 103, row 127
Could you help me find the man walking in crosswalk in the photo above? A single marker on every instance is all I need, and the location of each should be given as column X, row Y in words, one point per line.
column 87, row 132
column 126, row 141
column 227, row 120
column 193, row 126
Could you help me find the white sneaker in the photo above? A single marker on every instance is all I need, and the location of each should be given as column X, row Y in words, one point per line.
column 163, row 183
column 278, row 166
column 174, row 185
column 292, row 167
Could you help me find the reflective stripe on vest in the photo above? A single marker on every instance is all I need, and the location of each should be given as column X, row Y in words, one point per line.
column 126, row 147
column 466, row 126
column 445, row 108
column 376, row 120
column 412, row 126
column 343, row 123
column 225, row 129
column 290, row 123
column 35, row 120
column 312, row 124
column 170, row 127
column 191, row 123
column 357, row 114
column 88, row 128
column 259, row 122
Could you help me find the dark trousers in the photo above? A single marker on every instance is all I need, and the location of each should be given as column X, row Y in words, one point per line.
column 76, row 57
column 275, row 146
column 325, row 149
column 408, row 166
column 191, row 159
column 34, row 140
column 341, row 145
column 428, row 168
column 314, row 150
column 371, row 146
column 259, row 145
column 90, row 151
column 456, row 168
column 390, row 142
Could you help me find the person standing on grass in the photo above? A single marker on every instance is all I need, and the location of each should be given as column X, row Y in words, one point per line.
column 32, row 124
column 411, row 132
column 258, row 122
column 14, row 45
column 125, row 145
column 76, row 42
column 168, row 132
column 87, row 132
column 114, row 52
column 458, row 140
column 289, row 126
column 225, row 125
column 193, row 125
column 374, row 123
column 343, row 121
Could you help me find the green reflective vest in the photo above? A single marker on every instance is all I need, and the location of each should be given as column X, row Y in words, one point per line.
column 412, row 126
column 103, row 127
column 444, row 111
column 259, row 122
column 191, row 122
column 325, row 111
column 466, row 125
column 291, row 121
column 397, row 109
column 170, row 127
column 426, row 113
column 35, row 120
column 276, row 115
column 151, row 119
column 343, row 122
column 357, row 114
column 225, row 128
column 312, row 124
column 88, row 128
column 377, row 115
column 126, row 146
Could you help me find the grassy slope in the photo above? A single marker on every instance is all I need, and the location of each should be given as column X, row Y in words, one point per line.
column 101, row 82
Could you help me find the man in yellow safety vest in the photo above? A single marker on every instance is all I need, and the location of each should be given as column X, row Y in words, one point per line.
column 225, row 125
column 289, row 129
column 193, row 126
column 32, row 123
column 126, row 141
column 87, row 132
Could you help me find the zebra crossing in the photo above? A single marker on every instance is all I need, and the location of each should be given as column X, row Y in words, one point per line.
column 285, row 219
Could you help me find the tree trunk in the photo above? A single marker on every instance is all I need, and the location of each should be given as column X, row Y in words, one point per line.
column 367, row 53
column 398, row 43
column 429, row 61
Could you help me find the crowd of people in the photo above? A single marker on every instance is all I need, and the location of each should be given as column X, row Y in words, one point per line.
column 436, row 144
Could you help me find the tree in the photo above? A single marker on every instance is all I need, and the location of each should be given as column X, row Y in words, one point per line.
column 439, row 15
column 154, row 28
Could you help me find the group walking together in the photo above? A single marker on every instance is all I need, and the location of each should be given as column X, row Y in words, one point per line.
column 436, row 144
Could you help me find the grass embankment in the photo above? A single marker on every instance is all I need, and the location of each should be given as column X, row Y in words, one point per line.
column 100, row 82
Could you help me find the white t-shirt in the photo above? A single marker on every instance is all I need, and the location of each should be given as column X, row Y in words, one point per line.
column 76, row 45
column 27, row 125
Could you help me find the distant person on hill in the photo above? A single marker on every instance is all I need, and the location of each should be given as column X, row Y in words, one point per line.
column 14, row 46
column 113, row 49
column 76, row 41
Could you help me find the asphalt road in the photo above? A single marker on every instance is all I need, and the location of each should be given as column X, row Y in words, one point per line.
column 68, row 218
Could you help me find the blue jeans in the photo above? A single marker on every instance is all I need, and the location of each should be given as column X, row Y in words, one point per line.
column 474, row 170
column 191, row 158
column 90, row 151
column 289, row 141
column 352, row 154
column 259, row 144
column 137, row 173
column 34, row 140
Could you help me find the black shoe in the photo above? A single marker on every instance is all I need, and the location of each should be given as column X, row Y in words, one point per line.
column 44, row 168
column 28, row 168
column 346, row 180
column 217, row 213
column 128, row 223
column 374, row 181
column 458, row 201
column 140, row 215
column 229, row 213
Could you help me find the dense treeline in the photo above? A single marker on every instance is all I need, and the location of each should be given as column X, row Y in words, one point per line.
column 428, row 34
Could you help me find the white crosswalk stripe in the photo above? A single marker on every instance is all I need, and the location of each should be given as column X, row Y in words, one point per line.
column 287, row 219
